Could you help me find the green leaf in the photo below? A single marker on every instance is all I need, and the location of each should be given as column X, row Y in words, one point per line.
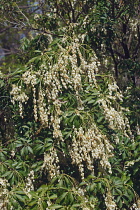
column 1, row 83
column 55, row 206
column 61, row 197
column 60, row 184
column 92, row 186
column 118, row 198
column 76, row 205
column 91, row 101
column 6, row 174
column 32, row 203
column 30, row 149
column 20, row 192
column 21, row 198
column 22, row 151
column 70, row 197
column 119, row 191
column 34, row 59
column 99, row 120
column 48, row 147
column 83, row 183
column 54, row 196
column 99, row 186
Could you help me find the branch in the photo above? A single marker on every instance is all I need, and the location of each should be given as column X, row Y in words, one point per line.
column 57, row 12
column 73, row 14
column 43, row 31
column 114, row 59
column 23, row 14
column 123, row 42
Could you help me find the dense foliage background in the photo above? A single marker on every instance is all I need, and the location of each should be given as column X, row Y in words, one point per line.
column 70, row 104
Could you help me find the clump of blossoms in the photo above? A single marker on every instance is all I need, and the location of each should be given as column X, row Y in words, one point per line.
column 85, row 202
column 136, row 206
column 54, row 78
column 51, row 163
column 114, row 117
column 109, row 201
column 29, row 182
column 69, row 70
column 88, row 146
column 19, row 96
column 114, row 114
column 3, row 194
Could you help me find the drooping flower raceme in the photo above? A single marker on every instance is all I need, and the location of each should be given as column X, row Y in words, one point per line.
column 68, row 71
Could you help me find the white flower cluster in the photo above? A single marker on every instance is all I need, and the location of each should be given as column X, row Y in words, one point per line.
column 19, row 96
column 75, row 69
column 29, row 77
column 134, row 207
column 114, row 114
column 53, row 78
column 89, row 146
column 35, row 104
column 113, row 88
column 13, row 153
column 3, row 194
column 115, row 118
column 73, row 2
column 109, row 201
column 29, row 182
column 57, row 134
column 138, row 130
column 134, row 24
column 42, row 109
column 36, row 16
column 49, row 203
column 51, row 163
column 85, row 202
column 86, row 21
column 48, row 83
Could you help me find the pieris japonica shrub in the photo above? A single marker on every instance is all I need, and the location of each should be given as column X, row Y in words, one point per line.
column 69, row 128
column 67, row 137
